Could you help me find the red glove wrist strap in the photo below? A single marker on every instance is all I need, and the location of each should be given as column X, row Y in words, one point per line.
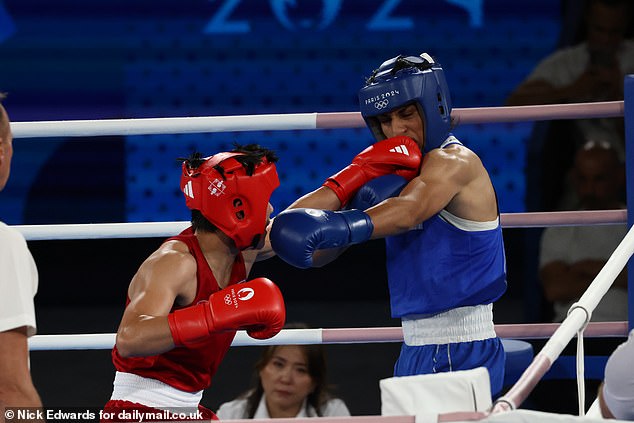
column 346, row 183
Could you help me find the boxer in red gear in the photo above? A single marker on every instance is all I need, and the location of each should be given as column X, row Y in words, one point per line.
column 190, row 296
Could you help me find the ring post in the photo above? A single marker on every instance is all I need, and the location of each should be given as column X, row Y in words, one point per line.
column 628, row 113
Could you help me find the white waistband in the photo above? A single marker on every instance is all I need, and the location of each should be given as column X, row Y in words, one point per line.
column 463, row 324
column 152, row 392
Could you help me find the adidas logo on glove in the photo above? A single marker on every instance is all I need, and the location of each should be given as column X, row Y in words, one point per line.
column 402, row 149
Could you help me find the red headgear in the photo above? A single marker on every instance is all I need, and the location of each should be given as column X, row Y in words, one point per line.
column 235, row 203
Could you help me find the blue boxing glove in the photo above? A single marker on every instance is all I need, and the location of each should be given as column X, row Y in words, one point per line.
column 297, row 233
column 377, row 190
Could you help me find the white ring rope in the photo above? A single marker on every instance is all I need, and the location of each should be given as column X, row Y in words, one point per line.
column 292, row 121
column 165, row 229
column 101, row 230
column 104, row 341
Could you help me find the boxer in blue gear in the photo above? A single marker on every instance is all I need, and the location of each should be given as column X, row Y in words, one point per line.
column 444, row 247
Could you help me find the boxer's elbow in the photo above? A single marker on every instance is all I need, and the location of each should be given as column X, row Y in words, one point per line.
column 127, row 342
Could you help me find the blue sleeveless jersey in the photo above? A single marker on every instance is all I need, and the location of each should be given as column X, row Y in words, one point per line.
column 437, row 267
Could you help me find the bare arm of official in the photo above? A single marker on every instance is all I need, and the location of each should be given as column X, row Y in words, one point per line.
column 16, row 385
column 167, row 277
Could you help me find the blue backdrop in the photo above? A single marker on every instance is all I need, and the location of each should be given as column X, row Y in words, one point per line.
column 65, row 59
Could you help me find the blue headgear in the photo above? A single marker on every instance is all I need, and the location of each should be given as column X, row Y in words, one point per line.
column 409, row 79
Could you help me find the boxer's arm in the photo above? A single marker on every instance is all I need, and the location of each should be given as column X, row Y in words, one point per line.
column 370, row 194
column 377, row 190
column 320, row 258
column 256, row 306
column 297, row 234
column 322, row 198
column 443, row 176
column 399, row 155
column 161, row 280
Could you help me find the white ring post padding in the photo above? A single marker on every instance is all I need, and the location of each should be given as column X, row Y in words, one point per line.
column 576, row 319
column 291, row 121
column 100, row 341
column 165, row 229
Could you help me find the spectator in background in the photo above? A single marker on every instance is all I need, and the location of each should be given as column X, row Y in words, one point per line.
column 592, row 70
column 289, row 381
column 571, row 256
column 18, row 286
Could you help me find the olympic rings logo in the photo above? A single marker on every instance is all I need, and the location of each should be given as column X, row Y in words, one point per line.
column 381, row 104
column 228, row 299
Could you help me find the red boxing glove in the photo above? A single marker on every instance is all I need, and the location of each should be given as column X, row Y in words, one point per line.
column 256, row 305
column 400, row 155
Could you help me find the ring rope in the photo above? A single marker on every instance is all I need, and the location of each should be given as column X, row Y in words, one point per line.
column 163, row 229
column 101, row 230
column 293, row 121
column 104, row 341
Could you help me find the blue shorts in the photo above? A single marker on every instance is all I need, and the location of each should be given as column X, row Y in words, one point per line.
column 428, row 359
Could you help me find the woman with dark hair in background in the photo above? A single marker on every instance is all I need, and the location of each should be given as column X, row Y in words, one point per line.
column 289, row 381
